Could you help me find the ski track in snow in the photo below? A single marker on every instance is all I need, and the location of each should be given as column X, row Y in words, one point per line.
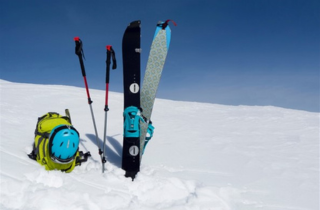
column 202, row 156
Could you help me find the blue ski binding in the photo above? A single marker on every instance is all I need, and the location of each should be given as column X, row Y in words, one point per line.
column 149, row 135
column 132, row 116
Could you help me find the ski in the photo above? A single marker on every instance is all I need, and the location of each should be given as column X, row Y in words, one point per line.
column 131, row 86
column 156, row 60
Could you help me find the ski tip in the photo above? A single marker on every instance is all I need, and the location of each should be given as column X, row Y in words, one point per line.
column 76, row 39
column 135, row 23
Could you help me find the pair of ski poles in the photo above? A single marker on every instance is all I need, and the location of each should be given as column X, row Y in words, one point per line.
column 110, row 53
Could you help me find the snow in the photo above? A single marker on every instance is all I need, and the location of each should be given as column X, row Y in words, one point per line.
column 202, row 156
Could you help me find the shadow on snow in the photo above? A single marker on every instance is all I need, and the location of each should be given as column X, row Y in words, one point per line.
column 114, row 155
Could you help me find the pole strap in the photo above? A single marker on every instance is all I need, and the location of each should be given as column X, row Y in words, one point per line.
column 110, row 54
column 79, row 52
column 165, row 24
column 79, row 49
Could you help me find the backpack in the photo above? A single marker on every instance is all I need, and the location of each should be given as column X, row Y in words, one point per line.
column 40, row 151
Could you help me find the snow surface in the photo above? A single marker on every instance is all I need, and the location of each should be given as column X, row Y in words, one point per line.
column 202, row 156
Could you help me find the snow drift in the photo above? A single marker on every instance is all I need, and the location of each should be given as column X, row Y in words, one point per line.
column 202, row 156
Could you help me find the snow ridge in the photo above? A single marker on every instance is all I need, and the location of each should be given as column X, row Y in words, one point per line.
column 202, row 156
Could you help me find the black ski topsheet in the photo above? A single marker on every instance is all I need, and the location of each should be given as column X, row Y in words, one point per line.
column 131, row 81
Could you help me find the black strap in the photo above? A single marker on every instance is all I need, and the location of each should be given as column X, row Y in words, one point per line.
column 110, row 54
column 79, row 50
column 83, row 157
column 64, row 170
column 33, row 155
column 114, row 61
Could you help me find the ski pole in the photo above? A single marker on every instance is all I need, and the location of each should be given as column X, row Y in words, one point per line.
column 110, row 53
column 80, row 54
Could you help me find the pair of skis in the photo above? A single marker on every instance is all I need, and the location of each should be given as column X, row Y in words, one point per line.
column 110, row 54
column 138, row 102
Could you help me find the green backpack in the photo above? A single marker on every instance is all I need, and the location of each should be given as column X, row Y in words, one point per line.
column 40, row 151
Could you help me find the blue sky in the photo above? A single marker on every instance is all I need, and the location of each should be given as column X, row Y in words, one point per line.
column 251, row 52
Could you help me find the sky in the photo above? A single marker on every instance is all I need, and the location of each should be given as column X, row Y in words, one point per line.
column 251, row 52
